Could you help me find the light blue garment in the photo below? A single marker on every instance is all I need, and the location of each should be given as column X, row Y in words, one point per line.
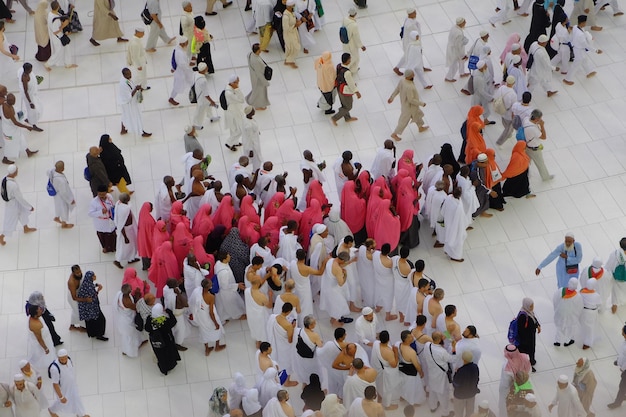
column 574, row 257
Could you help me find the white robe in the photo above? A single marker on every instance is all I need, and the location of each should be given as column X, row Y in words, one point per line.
column 287, row 245
column 434, row 202
column 433, row 174
column 306, row 37
column 455, row 227
column 540, row 72
column 354, row 388
column 317, row 253
column 129, row 103
column 136, row 58
column 33, row 115
column 388, row 379
column 193, row 277
column 13, row 137
column 332, row 379
column 60, row 55
column 316, row 174
column 411, row 387
column 383, row 164
column 251, row 139
column 69, row 389
column 201, row 316
column 365, row 269
column 409, row 26
column 455, row 49
column 268, row 387
column 229, row 303
column 64, row 195
column 603, row 285
column 36, row 355
column 129, row 338
column 234, row 115
column 183, row 74
column 332, row 299
column 618, row 288
column 163, row 203
column 304, row 367
column 366, row 332
column 180, row 329
column 401, row 287
column 567, row 313
column 437, row 379
column 125, row 251
column 257, row 317
column 302, row 290
column 26, row 401
column 15, row 209
column 589, row 316
column 353, row 47
column 411, row 304
column 282, row 349
column 469, row 198
column 41, row 397
column 567, row 402
column 265, row 253
column 74, row 318
column 383, row 283
column 273, row 408
column 356, row 408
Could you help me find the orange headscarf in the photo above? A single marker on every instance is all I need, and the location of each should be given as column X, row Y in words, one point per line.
column 475, row 141
column 326, row 72
column 519, row 161
column 492, row 165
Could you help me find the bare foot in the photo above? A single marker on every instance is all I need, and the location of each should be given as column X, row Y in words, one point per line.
column 392, row 407
column 396, row 137
column 290, row 383
column 47, row 68
column 423, row 128
column 614, row 308
column 3, row 242
column 243, row 317
column 56, row 219
column 207, row 350
column 352, row 119
column 335, row 323
column 151, row 50
column 485, row 214
column 333, row 121
column 66, row 225
column 29, row 229
column 219, row 347
column 71, row 66
column 450, row 81
column 391, row 317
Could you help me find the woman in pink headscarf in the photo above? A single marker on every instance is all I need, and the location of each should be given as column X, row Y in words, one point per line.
column 246, row 208
column 248, row 231
column 387, row 229
column 201, row 256
column 181, row 244
column 159, row 235
column 202, row 223
column 274, row 204
column 316, row 192
column 310, row 217
column 145, row 232
column 406, row 162
column 178, row 215
column 225, row 213
column 164, row 265
column 514, row 38
column 363, row 184
column 395, row 182
column 136, row 283
column 376, row 197
column 384, row 186
column 287, row 212
column 353, row 210
column 407, row 207
column 271, row 229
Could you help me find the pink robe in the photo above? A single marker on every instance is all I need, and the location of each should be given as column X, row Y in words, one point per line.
column 365, row 180
column 406, row 203
column 287, row 212
column 164, row 265
column 159, row 235
column 246, row 208
column 225, row 213
column 131, row 278
column 177, row 216
column 248, row 231
column 395, row 182
column 316, row 192
column 202, row 257
column 181, row 244
column 353, row 207
column 202, row 223
column 384, row 185
column 145, row 231
column 372, row 212
column 274, row 204
column 387, row 227
column 271, row 229
column 406, row 162
column 310, row 217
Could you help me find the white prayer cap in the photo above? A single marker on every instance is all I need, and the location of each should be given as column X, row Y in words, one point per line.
column 12, row 169
column 22, row 363
column 460, row 20
column 138, row 29
column 483, row 33
column 482, row 157
column 572, row 284
column 597, row 262
column 591, row 284
column 543, row 38
column 248, row 110
column 515, row 47
column 408, row 73
column 516, row 59
column 414, row 34
column 232, row 78
column 563, row 379
column 480, row 64
column 367, row 311
column 188, row 129
column 484, row 404
column 319, row 228
column 182, row 39
column 61, row 353
column 352, row 11
column 530, row 398
column 18, row 377
column 157, row 311
column 202, row 67
column 290, row 3
column 186, row 3
column 510, row 80
column 411, row 10
column 569, row 234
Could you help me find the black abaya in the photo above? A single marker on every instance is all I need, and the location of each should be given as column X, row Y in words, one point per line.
column 517, row 186
column 538, row 24
column 163, row 343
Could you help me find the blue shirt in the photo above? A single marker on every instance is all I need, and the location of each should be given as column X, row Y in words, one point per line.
column 574, row 257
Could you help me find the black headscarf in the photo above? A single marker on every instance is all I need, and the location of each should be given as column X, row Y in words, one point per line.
column 447, row 157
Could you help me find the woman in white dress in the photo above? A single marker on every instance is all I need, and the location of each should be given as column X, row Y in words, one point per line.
column 31, row 375
column 129, row 337
column 61, row 55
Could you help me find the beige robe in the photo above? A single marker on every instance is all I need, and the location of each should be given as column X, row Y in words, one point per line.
column 104, row 26
column 291, row 36
column 589, row 383
column 409, row 105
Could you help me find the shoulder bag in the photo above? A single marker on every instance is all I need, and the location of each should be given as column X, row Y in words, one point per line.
column 448, row 372
column 303, row 349
column 267, row 72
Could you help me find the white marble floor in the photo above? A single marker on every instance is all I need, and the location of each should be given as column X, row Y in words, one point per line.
column 585, row 150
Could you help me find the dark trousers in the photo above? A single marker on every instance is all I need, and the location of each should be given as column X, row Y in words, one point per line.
column 277, row 25
column 346, row 106
column 107, row 241
column 48, row 319
column 97, row 326
column 145, row 263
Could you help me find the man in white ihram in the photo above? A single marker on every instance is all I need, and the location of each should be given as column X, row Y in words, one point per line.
column 234, row 113
column 385, row 361
column 17, row 208
column 129, row 97
column 65, row 387
column 64, row 197
column 183, row 74
column 126, row 226
column 437, row 359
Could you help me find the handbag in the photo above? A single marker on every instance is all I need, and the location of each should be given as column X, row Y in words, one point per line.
column 310, row 24
column 448, row 372
column 13, row 49
column 138, row 322
column 65, row 40
column 572, row 269
column 146, row 16
column 408, row 369
column 50, row 189
column 283, row 376
column 267, row 72
column 303, row 349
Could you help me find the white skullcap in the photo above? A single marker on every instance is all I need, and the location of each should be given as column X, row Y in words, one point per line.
column 516, row 59
column 530, row 398
column 22, row 363
column 515, row 47
column 591, row 284
column 61, row 353
column 319, row 228
column 483, row 33
column 367, row 311
column 290, row 3
column 157, row 311
column 510, row 80
column 352, row 11
column 459, row 20
column 202, row 67
column 411, row 10
column 12, row 169
column 188, row 129
column 572, row 284
column 563, row 379
column 186, row 3
column 232, row 78
column 597, row 262
column 484, row 404
column 248, row 110
column 569, row 234
column 18, row 377
column 414, row 34
column 138, row 29
column 543, row 38
column 482, row 157
column 408, row 73
column 182, row 39
column 480, row 64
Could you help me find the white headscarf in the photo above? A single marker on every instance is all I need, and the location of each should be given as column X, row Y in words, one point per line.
column 251, row 402
column 331, row 407
column 157, row 311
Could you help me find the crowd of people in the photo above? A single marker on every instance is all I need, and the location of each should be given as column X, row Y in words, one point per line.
column 251, row 247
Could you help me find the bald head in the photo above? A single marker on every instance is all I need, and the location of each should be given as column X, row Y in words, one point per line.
column 244, row 161
column 94, row 151
column 59, row 166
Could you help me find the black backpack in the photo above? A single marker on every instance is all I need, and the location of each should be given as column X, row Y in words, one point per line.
column 223, row 102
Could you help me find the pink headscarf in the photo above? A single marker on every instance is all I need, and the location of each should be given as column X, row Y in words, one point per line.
column 406, row 162
column 310, row 217
column 145, row 231
column 225, row 213
column 387, row 229
column 177, row 216
column 514, row 38
column 373, row 211
column 164, row 265
column 248, row 231
column 274, row 204
column 246, row 208
column 131, row 278
column 202, row 223
column 316, row 192
column 287, row 212
column 364, row 179
column 201, row 256
column 395, row 181
column 159, row 234
column 406, row 203
column 181, row 244
column 515, row 360
column 271, row 229
column 353, row 207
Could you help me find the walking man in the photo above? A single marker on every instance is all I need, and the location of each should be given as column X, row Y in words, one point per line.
column 346, row 87
column 410, row 104
column 65, row 387
column 136, row 57
column 156, row 27
column 17, row 208
column 64, row 198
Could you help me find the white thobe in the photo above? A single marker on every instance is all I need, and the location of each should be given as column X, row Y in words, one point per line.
column 203, row 106
column 193, row 277
column 366, row 332
column 180, row 329
column 470, row 345
column 415, row 61
column 102, row 222
column 353, row 47
column 125, row 251
column 567, row 402
column 438, row 385
column 251, row 139
column 382, row 164
column 265, row 253
column 388, row 378
column 566, row 316
column 287, row 245
column 186, row 26
column 136, row 58
column 433, row 174
column 541, row 71
column 129, row 338
column 409, row 26
column 66, row 378
column 383, row 283
column 64, row 196
column 183, row 74
column 603, row 285
column 455, row 51
column 234, row 115
column 129, row 103
column 618, row 288
column 521, row 83
column 229, row 303
column 26, row 401
column 354, row 388
column 316, row 174
column 17, row 208
column 201, row 316
column 581, row 42
column 469, row 198
column 60, row 55
column 589, row 315
column 33, row 115
column 483, row 91
column 454, row 220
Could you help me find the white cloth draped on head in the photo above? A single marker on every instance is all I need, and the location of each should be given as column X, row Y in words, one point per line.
column 331, row 407
column 237, row 391
column 251, row 402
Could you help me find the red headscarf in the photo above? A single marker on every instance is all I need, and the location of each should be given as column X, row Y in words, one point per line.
column 248, row 231
column 177, row 216
column 384, row 185
column 131, row 278
column 164, row 265
column 475, row 142
column 364, row 179
column 316, row 192
column 202, row 223
column 225, row 213
column 310, row 217
column 373, row 210
column 515, row 360
column 492, row 165
column 406, row 162
column 145, row 231
column 181, row 243
column 353, row 207
column 406, row 205
column 201, row 256
column 287, row 212
column 387, row 228
column 271, row 229
column 159, row 234
column 274, row 204
column 519, row 161
column 246, row 208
